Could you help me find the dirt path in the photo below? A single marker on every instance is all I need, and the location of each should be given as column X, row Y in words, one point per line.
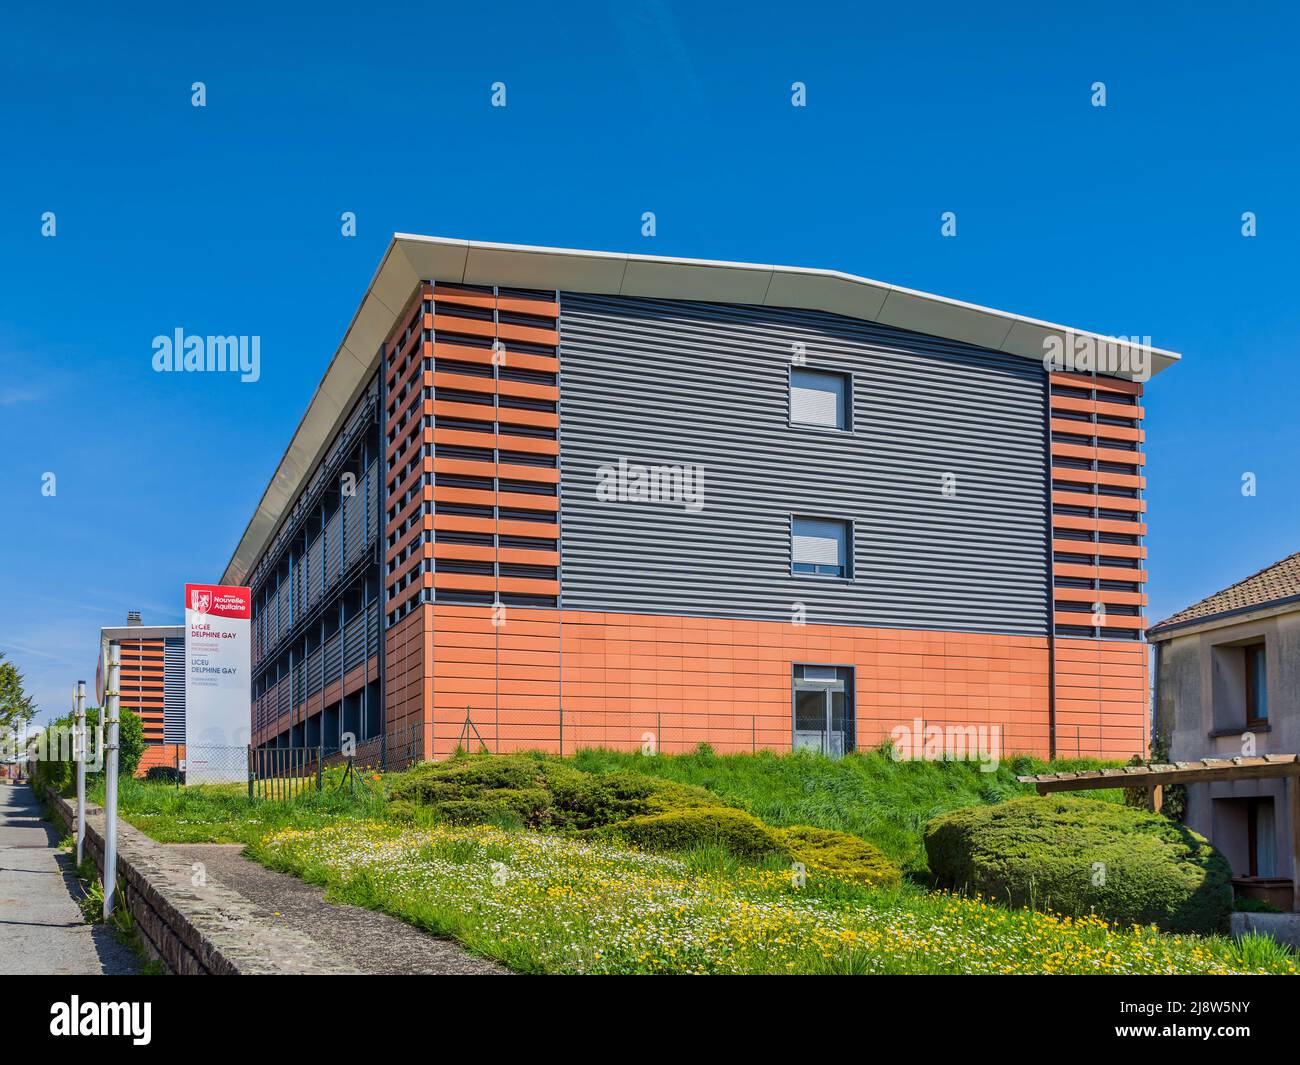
column 372, row 942
column 42, row 931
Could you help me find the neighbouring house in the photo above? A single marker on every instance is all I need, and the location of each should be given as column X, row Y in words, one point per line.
column 1227, row 685
column 546, row 498
column 152, row 684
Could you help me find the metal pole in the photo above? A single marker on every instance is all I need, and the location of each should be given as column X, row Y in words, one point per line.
column 110, row 783
column 79, row 749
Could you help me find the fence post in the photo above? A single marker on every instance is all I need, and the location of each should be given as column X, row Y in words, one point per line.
column 320, row 765
column 383, row 749
column 176, row 758
column 250, row 770
column 753, row 733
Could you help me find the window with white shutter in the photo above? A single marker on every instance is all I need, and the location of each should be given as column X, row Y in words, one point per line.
column 819, row 399
column 820, row 545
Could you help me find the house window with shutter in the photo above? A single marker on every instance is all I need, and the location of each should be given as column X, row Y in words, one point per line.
column 820, row 546
column 820, row 399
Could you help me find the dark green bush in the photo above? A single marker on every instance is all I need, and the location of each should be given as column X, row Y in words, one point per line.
column 163, row 774
column 1077, row 856
column 739, row 833
column 839, row 854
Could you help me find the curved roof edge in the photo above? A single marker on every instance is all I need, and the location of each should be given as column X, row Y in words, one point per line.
column 410, row 259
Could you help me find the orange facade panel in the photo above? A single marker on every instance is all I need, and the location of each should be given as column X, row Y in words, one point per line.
column 563, row 679
column 1100, row 382
column 1098, row 454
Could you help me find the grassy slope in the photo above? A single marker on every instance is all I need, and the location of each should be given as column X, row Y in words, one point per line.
column 871, row 795
column 223, row 813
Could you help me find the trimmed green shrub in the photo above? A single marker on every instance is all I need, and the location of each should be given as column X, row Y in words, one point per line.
column 1078, row 856
column 538, row 792
column 839, row 854
column 668, row 795
column 401, row 811
column 583, row 800
column 473, row 789
column 739, row 833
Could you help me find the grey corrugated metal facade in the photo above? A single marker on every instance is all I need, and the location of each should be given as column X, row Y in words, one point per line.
column 666, row 382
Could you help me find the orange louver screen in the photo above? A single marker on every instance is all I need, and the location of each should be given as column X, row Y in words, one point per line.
column 1098, row 525
column 472, row 430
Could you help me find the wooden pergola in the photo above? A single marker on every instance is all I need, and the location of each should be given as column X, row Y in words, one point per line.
column 1207, row 771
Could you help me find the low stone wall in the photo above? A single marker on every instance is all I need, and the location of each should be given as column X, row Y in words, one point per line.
column 1284, row 927
column 195, row 929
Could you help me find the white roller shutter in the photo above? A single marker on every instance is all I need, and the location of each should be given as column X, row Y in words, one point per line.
column 817, row 399
column 819, row 543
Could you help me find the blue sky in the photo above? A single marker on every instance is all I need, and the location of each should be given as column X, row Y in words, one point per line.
column 225, row 219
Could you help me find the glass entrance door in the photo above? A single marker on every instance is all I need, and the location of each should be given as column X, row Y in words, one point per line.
column 823, row 710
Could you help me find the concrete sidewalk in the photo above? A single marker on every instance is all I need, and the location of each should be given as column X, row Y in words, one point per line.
column 42, row 931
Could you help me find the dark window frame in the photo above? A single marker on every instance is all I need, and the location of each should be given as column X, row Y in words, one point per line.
column 846, row 571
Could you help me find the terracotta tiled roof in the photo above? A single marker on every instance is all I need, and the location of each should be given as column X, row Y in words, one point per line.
column 1281, row 580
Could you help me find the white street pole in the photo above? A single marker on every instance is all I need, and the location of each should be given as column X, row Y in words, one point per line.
column 110, row 782
column 79, row 749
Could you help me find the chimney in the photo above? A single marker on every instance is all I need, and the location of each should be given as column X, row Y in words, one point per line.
column 133, row 618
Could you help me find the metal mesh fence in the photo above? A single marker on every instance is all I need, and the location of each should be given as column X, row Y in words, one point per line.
column 564, row 732
column 286, row 772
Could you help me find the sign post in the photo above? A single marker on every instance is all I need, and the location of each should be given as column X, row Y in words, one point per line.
column 218, row 686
